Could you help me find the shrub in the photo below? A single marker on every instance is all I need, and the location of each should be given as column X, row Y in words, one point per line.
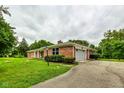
column 41, row 58
column 54, row 58
column 47, row 58
column 59, row 58
column 94, row 56
column 69, row 60
column 19, row 56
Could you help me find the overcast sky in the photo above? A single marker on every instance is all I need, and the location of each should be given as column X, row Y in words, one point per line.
column 55, row 23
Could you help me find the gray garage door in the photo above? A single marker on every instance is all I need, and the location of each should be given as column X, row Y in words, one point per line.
column 80, row 55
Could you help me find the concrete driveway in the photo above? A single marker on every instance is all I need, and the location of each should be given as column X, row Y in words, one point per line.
column 94, row 74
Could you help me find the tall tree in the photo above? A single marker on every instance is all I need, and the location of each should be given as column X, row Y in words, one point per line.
column 23, row 47
column 7, row 38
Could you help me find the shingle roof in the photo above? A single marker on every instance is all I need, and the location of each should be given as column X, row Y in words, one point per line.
column 66, row 44
column 39, row 49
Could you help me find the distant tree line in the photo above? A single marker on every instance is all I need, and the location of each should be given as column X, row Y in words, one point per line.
column 39, row 44
column 21, row 49
column 83, row 43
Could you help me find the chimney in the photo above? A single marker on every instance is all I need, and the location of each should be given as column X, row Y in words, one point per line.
column 59, row 42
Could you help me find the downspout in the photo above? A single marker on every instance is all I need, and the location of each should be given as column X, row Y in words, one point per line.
column 34, row 54
column 74, row 51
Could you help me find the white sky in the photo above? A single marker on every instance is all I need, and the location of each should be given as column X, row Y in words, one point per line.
column 55, row 23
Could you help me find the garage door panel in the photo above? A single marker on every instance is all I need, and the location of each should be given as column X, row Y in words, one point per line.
column 80, row 55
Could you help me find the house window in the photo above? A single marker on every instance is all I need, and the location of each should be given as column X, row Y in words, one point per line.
column 55, row 51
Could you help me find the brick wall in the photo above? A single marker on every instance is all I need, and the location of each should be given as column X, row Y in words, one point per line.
column 66, row 51
column 38, row 54
column 45, row 52
column 30, row 54
column 34, row 54
column 88, row 52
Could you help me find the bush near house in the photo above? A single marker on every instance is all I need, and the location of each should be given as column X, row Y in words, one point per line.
column 59, row 58
column 54, row 58
column 94, row 56
column 69, row 60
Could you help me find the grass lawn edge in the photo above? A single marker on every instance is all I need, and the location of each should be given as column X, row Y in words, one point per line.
column 112, row 60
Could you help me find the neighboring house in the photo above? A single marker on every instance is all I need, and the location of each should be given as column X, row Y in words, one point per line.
column 68, row 49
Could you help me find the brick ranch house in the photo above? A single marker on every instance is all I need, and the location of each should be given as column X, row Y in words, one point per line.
column 68, row 49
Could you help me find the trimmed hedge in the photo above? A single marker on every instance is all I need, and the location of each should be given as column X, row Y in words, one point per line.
column 54, row 58
column 59, row 58
column 69, row 60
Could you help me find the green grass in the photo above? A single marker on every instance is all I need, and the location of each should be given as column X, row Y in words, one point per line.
column 114, row 60
column 22, row 72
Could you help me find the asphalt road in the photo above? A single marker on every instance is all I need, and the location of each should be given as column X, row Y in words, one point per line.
column 94, row 74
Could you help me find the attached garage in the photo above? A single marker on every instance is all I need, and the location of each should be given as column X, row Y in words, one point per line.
column 79, row 55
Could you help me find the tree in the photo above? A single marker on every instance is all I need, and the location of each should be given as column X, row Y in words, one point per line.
column 112, row 44
column 7, row 38
column 39, row 44
column 81, row 42
column 92, row 46
column 114, row 35
column 23, row 47
column 4, row 10
column 34, row 45
column 118, row 48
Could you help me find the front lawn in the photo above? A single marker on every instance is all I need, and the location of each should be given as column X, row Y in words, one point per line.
column 22, row 72
column 114, row 60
